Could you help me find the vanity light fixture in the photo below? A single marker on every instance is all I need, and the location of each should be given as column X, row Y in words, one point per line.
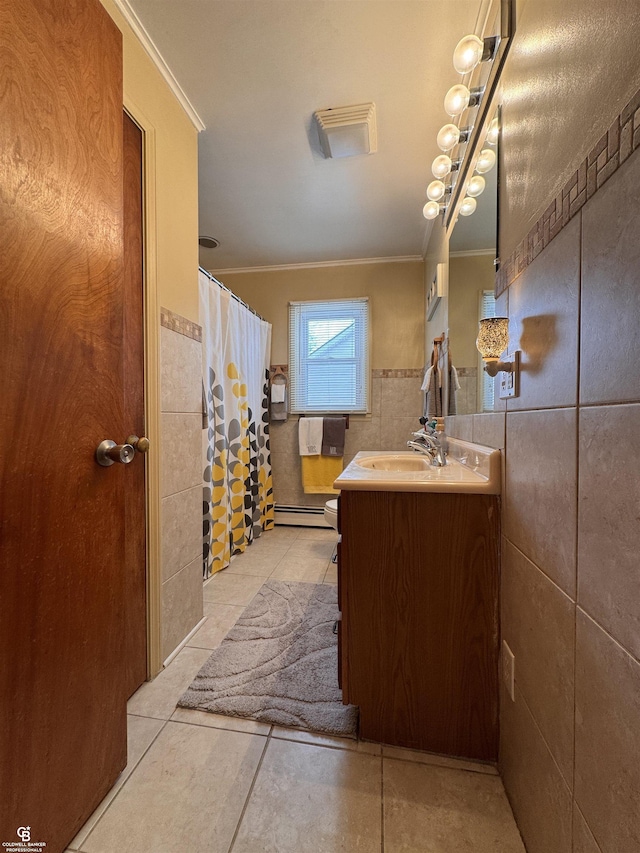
column 462, row 186
column 492, row 341
column 432, row 210
column 435, row 190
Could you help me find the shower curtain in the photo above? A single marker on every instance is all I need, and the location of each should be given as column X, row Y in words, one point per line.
column 238, row 493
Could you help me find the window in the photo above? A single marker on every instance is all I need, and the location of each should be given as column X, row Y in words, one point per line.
column 329, row 356
column 487, row 383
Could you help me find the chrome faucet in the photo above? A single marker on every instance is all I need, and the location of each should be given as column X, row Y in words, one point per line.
column 431, row 445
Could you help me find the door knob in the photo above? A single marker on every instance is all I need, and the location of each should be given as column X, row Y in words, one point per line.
column 109, row 452
column 139, row 444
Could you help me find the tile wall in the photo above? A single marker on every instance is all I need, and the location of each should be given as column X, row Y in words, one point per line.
column 181, row 478
column 570, row 742
column 396, row 405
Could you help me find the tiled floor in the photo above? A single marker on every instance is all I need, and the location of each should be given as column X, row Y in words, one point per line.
column 203, row 783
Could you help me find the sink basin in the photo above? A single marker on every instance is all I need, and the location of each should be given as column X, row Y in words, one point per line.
column 471, row 468
column 401, row 462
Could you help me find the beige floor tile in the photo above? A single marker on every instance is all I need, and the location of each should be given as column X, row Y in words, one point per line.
column 438, row 760
column 313, row 549
column 258, row 560
column 187, row 794
column 220, row 620
column 351, row 744
column 304, row 570
column 226, row 588
column 219, row 721
column 322, row 534
column 331, row 575
column 140, row 734
column 431, row 809
column 158, row 698
column 280, row 533
column 309, row 799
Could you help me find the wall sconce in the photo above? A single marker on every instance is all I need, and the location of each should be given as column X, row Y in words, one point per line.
column 492, row 341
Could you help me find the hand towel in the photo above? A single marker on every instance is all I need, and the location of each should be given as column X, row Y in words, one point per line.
column 433, row 401
column 426, row 380
column 310, row 436
column 333, row 430
column 318, row 474
column 278, row 392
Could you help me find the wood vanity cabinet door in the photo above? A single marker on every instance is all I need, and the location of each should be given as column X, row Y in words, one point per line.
column 420, row 619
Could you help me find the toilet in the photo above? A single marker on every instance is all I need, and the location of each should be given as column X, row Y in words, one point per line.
column 331, row 513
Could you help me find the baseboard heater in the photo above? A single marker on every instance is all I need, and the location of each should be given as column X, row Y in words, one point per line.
column 300, row 516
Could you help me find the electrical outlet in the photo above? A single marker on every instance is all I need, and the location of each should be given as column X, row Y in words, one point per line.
column 510, row 382
column 509, row 670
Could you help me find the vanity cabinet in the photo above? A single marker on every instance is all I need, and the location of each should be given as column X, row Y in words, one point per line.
column 418, row 578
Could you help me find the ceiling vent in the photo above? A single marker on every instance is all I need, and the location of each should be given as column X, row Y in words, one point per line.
column 347, row 131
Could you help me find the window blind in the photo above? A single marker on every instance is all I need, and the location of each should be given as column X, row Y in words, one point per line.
column 487, row 383
column 329, row 356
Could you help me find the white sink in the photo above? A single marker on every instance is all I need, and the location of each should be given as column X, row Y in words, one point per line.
column 470, row 468
column 398, row 462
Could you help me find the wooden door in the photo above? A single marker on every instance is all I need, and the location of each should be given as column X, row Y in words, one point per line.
column 62, row 687
column 135, row 601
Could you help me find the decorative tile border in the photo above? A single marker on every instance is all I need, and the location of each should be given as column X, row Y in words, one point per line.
column 398, row 373
column 606, row 156
column 180, row 324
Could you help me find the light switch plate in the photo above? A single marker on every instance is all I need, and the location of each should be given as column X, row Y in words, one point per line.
column 510, row 382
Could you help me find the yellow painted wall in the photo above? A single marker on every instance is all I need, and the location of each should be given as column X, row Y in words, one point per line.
column 468, row 276
column 176, row 173
column 395, row 290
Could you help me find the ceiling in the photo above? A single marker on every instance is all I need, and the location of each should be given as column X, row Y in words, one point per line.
column 256, row 70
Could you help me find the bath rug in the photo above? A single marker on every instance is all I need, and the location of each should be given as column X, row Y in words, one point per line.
column 279, row 663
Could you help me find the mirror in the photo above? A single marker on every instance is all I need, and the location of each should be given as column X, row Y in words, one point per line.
column 472, row 252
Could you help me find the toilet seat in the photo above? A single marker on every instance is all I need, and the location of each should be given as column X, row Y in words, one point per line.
column 331, row 513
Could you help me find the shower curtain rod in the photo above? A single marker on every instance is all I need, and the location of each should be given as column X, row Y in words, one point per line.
column 231, row 293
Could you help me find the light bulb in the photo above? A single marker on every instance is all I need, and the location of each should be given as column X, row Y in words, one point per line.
column 475, row 187
column 486, row 161
column 468, row 206
column 435, row 190
column 467, row 54
column 441, row 166
column 448, row 136
column 494, row 132
column 457, row 100
column 431, row 210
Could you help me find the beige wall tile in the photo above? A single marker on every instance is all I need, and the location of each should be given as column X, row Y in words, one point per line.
column 538, row 794
column 376, row 397
column 181, row 787
column 502, row 310
column 181, row 605
column 180, row 372
column 607, row 774
column 541, row 491
column 610, row 292
column 453, row 809
column 181, row 452
column 396, row 432
column 181, row 530
column 460, row 426
column 608, row 529
column 304, row 786
column 361, row 435
column 489, row 429
column 401, row 398
column 583, row 840
column 538, row 624
column 543, row 324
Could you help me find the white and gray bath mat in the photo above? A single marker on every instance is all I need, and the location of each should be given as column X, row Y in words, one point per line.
column 279, row 663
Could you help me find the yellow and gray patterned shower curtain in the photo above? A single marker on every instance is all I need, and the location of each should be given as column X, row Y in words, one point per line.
column 238, row 493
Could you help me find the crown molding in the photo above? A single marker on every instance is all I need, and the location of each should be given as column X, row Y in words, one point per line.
column 400, row 259
column 155, row 56
column 470, row 253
